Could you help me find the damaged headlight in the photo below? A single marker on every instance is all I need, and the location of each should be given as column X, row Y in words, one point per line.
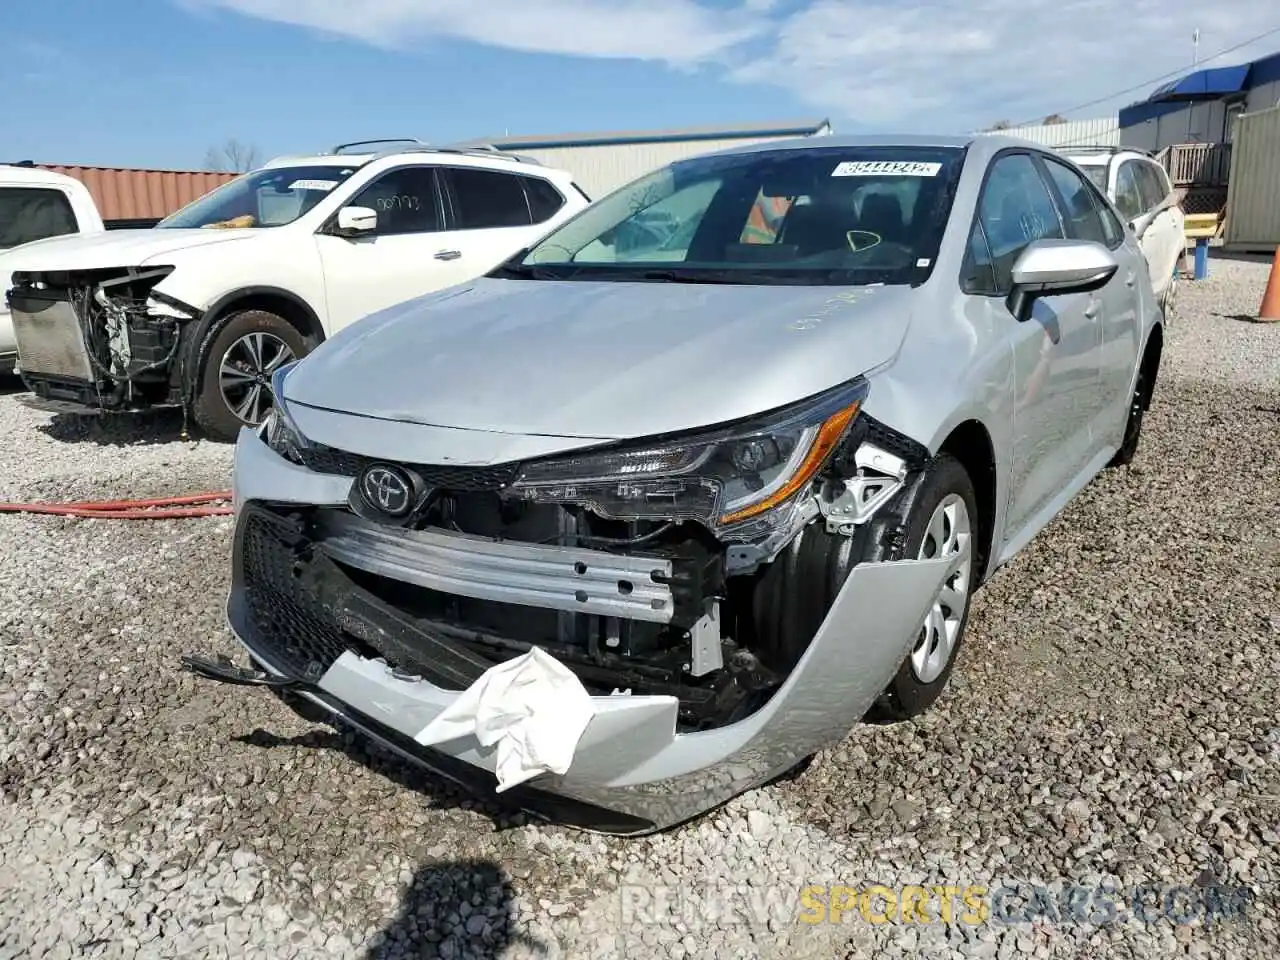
column 734, row 479
column 278, row 430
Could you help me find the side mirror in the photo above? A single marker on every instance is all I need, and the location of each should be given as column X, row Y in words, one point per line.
column 356, row 220
column 1048, row 267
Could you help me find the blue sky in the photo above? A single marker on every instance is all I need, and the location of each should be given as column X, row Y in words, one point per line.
column 157, row 82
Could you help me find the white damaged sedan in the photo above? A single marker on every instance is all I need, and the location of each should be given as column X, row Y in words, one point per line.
column 670, row 501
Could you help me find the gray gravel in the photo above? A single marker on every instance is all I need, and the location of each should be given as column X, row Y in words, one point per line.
column 1113, row 718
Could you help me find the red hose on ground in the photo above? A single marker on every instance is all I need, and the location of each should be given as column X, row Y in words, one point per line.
column 156, row 508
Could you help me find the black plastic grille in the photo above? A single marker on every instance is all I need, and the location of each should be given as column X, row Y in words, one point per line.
column 462, row 479
column 289, row 624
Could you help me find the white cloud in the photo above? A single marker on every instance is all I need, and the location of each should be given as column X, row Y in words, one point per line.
column 948, row 65
column 962, row 64
column 675, row 32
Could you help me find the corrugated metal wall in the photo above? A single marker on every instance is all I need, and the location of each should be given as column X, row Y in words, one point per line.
column 1100, row 131
column 1194, row 123
column 1264, row 96
column 1253, row 195
column 125, row 194
column 600, row 169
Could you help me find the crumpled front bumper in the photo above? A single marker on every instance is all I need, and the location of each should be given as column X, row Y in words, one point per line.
column 630, row 761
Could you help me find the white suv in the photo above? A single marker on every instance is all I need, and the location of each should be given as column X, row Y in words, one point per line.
column 35, row 204
column 1140, row 189
column 201, row 309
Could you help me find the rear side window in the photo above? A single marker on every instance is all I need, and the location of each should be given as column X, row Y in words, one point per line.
column 33, row 213
column 544, row 199
column 484, row 199
column 1082, row 219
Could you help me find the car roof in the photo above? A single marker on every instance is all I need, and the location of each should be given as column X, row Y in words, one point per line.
column 1101, row 156
column 981, row 146
column 11, row 174
column 488, row 159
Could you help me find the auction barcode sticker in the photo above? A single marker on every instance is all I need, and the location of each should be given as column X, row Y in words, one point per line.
column 875, row 168
column 324, row 185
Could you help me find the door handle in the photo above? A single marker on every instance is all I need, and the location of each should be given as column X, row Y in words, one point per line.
column 1091, row 311
column 448, row 254
column 1130, row 279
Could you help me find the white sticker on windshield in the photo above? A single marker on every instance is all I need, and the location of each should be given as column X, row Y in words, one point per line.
column 876, row 168
column 313, row 185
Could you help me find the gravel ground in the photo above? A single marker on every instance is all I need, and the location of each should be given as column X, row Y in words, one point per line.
column 1113, row 719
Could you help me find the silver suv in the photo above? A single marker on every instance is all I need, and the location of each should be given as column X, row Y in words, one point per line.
column 632, row 525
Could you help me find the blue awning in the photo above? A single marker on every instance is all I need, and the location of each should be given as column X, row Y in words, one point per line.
column 1204, row 84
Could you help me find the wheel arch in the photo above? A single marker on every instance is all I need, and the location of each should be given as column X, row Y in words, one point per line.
column 1150, row 363
column 285, row 304
column 970, row 443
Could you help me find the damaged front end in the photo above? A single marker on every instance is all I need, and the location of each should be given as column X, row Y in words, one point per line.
column 98, row 339
column 683, row 580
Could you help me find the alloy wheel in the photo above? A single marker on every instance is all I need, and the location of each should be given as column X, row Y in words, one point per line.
column 949, row 534
column 244, row 375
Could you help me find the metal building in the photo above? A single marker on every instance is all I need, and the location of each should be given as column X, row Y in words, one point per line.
column 1201, row 107
column 1098, row 132
column 601, row 162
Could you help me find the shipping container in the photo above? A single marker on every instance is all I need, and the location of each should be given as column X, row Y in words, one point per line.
column 133, row 197
column 1253, row 190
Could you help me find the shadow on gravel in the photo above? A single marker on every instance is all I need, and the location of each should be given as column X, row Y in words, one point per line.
column 442, row 794
column 456, row 909
column 133, row 429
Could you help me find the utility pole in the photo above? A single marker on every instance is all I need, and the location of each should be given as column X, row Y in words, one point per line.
column 1195, row 62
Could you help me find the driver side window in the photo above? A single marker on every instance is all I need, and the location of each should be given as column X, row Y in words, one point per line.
column 1014, row 210
column 405, row 200
column 1128, row 193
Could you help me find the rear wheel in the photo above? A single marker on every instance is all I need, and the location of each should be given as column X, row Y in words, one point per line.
column 1133, row 426
column 235, row 381
column 941, row 524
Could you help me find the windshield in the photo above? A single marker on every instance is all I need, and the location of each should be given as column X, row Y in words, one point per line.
column 818, row 215
column 264, row 198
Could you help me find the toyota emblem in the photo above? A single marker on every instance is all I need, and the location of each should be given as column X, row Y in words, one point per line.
column 389, row 489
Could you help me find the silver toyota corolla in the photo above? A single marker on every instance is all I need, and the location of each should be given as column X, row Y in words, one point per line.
column 734, row 446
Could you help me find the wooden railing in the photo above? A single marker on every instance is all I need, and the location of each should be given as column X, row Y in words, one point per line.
column 1197, row 164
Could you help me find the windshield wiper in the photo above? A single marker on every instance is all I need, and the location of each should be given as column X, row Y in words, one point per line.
column 513, row 270
column 762, row 277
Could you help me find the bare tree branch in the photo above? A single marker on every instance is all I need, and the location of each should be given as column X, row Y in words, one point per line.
column 232, row 157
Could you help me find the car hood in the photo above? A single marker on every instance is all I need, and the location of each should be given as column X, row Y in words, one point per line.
column 109, row 248
column 600, row 359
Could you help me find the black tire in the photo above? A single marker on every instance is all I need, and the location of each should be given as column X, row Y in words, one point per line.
column 211, row 410
column 1138, row 404
column 906, row 695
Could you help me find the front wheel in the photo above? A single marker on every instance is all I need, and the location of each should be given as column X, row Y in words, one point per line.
column 235, row 381
column 941, row 523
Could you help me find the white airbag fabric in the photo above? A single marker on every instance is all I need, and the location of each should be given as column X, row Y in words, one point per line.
column 532, row 707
